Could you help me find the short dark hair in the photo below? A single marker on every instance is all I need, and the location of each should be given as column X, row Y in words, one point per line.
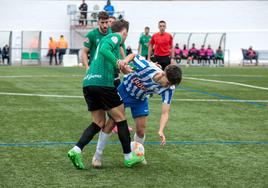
column 112, row 17
column 119, row 25
column 147, row 27
column 103, row 15
column 162, row 21
column 174, row 74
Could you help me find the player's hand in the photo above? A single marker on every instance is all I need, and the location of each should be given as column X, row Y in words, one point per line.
column 157, row 64
column 121, row 64
column 162, row 137
column 172, row 62
column 126, row 69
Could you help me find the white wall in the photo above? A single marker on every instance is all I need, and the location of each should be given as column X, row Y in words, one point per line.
column 244, row 21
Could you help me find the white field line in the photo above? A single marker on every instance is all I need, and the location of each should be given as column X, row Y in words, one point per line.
column 78, row 75
column 231, row 75
column 39, row 76
column 80, row 97
column 227, row 82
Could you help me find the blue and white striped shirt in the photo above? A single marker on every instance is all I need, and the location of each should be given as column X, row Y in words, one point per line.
column 139, row 84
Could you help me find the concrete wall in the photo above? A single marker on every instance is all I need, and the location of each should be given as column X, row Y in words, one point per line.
column 245, row 22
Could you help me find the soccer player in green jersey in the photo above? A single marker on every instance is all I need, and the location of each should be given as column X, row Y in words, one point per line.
column 93, row 38
column 143, row 42
column 101, row 95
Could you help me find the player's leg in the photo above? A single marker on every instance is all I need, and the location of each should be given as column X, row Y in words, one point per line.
column 94, row 127
column 91, row 95
column 104, row 136
column 139, row 135
column 116, row 110
column 140, row 111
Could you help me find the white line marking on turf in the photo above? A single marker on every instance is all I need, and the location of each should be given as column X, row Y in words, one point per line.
column 228, row 75
column 39, row 76
column 80, row 97
column 78, row 75
column 41, row 95
column 227, row 82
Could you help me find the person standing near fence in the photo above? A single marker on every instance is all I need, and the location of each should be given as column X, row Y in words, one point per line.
column 62, row 45
column 52, row 47
column 83, row 13
column 109, row 8
column 162, row 42
column 5, row 54
column 144, row 42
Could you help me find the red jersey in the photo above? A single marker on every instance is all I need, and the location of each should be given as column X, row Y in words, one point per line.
column 162, row 44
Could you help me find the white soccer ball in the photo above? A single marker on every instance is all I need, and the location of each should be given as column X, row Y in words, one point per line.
column 137, row 148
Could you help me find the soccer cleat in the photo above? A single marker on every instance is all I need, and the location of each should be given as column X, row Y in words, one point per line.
column 76, row 159
column 134, row 160
column 96, row 163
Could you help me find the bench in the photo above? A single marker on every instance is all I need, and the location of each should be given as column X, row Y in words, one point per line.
column 262, row 55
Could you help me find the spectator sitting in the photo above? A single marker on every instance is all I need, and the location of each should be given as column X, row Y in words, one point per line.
column 219, row 55
column 185, row 53
column 202, row 54
column 251, row 54
column 83, row 13
column 177, row 53
column 193, row 53
column 210, row 54
column 128, row 51
column 109, row 8
column 62, row 45
column 5, row 54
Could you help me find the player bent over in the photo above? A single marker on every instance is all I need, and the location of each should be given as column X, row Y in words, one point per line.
column 101, row 95
column 147, row 78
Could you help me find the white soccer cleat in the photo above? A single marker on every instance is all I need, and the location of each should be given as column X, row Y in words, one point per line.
column 96, row 163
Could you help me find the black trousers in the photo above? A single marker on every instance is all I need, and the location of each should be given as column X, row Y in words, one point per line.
column 5, row 57
column 51, row 55
column 62, row 51
column 83, row 18
column 164, row 61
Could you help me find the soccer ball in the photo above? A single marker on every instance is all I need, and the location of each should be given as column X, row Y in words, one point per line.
column 137, row 148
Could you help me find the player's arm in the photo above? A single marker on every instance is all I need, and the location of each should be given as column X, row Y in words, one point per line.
column 129, row 58
column 122, row 52
column 166, row 100
column 163, row 122
column 126, row 68
column 106, row 50
column 85, row 52
column 139, row 48
column 172, row 51
column 150, row 48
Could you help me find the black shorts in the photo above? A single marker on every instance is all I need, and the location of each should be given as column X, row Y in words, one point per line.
column 101, row 98
column 162, row 60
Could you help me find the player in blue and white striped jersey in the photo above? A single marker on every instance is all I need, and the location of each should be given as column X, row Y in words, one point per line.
column 147, row 78
column 140, row 83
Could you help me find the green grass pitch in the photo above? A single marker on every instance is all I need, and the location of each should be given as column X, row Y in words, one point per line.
column 213, row 139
